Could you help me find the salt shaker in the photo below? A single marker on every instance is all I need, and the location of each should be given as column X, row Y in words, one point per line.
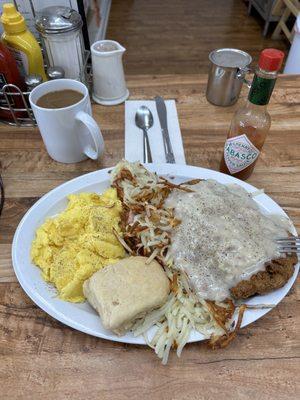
column 109, row 86
column 60, row 30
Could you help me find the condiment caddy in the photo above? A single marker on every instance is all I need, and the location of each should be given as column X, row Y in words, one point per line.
column 22, row 65
column 14, row 103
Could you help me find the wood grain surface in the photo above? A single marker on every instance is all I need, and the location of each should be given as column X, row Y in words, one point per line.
column 176, row 36
column 43, row 359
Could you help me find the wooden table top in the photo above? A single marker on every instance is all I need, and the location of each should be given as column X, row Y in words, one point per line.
column 43, row 359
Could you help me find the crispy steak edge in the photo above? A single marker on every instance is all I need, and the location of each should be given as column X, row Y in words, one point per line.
column 276, row 274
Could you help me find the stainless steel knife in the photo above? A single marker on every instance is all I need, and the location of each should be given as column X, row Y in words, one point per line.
column 162, row 115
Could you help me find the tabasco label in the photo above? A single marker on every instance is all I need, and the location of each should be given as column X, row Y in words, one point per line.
column 239, row 153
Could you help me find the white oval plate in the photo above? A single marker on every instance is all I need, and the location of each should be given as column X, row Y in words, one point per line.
column 81, row 316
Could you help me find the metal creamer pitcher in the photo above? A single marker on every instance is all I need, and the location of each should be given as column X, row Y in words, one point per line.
column 228, row 68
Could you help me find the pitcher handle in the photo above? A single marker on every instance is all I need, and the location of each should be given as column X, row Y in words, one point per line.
column 240, row 74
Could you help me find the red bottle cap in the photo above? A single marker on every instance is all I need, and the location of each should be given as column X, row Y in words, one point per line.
column 270, row 59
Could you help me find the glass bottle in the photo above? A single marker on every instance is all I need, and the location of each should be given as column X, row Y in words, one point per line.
column 251, row 123
column 61, row 33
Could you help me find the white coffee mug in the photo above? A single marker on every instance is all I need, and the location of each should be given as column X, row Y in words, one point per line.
column 70, row 134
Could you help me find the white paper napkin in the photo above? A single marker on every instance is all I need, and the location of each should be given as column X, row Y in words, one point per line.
column 134, row 135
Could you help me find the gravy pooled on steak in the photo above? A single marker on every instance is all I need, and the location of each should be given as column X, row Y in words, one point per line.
column 223, row 237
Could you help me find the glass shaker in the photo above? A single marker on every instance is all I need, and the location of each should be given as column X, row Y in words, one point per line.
column 61, row 34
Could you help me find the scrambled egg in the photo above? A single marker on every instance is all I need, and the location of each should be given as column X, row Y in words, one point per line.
column 70, row 247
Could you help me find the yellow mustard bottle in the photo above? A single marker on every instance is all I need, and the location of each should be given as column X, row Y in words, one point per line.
column 21, row 42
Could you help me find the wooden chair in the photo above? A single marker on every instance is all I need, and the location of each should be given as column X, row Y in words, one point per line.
column 266, row 10
column 291, row 7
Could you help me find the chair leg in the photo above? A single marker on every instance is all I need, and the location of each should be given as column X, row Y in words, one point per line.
column 283, row 19
column 249, row 7
column 266, row 27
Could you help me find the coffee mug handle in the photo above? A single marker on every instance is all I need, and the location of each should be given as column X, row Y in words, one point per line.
column 95, row 133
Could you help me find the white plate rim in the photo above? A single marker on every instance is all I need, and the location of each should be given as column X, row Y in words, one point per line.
column 74, row 185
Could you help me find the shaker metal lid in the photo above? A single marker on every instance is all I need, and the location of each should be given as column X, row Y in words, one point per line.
column 58, row 19
column 55, row 73
column 33, row 80
column 230, row 58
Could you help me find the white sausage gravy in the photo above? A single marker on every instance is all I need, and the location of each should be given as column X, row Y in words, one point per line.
column 223, row 237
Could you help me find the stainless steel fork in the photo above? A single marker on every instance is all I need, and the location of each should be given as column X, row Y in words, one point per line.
column 289, row 245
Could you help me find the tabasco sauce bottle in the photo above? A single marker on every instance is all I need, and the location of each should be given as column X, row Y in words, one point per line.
column 251, row 123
